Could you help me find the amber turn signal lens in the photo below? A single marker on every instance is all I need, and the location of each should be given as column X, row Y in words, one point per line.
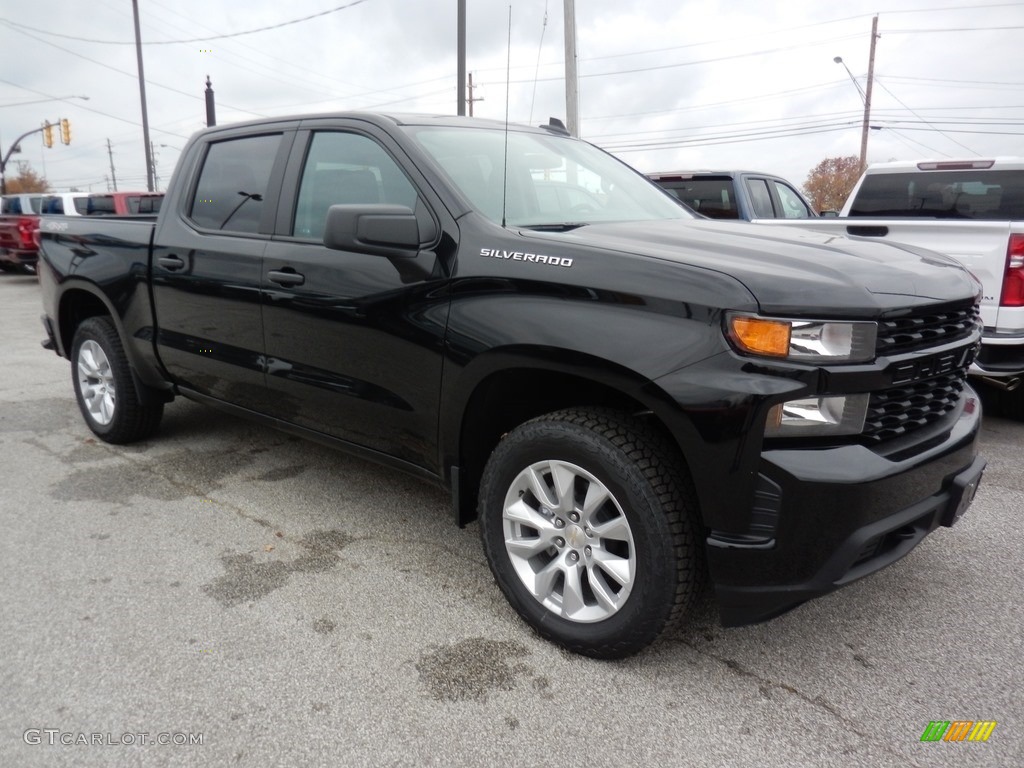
column 760, row 336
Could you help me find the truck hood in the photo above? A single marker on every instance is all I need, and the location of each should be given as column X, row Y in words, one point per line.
column 793, row 269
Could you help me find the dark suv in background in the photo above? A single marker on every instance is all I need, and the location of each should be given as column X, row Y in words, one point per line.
column 743, row 195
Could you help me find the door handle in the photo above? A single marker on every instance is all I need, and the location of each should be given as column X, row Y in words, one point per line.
column 286, row 276
column 867, row 231
column 170, row 262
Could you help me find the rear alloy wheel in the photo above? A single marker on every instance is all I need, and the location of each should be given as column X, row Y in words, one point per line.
column 586, row 519
column 104, row 386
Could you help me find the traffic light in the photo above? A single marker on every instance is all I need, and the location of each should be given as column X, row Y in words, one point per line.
column 47, row 134
column 65, row 131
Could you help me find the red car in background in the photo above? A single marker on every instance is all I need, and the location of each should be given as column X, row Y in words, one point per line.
column 19, row 229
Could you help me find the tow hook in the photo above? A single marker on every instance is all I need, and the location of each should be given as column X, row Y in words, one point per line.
column 1007, row 385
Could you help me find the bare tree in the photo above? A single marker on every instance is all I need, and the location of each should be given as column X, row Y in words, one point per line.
column 27, row 180
column 830, row 182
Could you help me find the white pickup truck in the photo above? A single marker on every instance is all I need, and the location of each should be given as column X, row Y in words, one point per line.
column 972, row 210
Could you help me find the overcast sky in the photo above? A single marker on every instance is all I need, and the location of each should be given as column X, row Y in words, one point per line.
column 665, row 85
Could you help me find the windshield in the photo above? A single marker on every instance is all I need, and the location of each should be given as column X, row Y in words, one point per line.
column 552, row 180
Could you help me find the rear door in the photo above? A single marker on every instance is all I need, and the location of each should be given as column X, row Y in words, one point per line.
column 354, row 341
column 207, row 265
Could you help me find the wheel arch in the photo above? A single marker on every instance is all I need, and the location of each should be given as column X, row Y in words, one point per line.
column 81, row 300
column 510, row 387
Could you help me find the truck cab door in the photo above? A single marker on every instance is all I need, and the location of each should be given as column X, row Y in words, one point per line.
column 354, row 340
column 207, row 268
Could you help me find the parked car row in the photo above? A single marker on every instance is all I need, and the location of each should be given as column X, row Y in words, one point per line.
column 19, row 218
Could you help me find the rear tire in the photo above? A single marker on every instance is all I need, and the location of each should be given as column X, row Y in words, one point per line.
column 1000, row 402
column 104, row 386
column 588, row 522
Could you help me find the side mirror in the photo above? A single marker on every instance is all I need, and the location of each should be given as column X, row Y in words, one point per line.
column 379, row 230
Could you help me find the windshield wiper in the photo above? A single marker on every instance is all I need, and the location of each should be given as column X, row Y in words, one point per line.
column 566, row 226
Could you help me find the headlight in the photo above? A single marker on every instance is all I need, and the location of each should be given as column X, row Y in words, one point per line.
column 827, row 416
column 820, row 341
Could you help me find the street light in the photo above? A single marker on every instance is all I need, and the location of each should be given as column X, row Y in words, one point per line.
column 867, row 113
column 865, row 94
column 839, row 60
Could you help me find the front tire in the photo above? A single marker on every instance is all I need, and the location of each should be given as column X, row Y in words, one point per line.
column 104, row 387
column 588, row 523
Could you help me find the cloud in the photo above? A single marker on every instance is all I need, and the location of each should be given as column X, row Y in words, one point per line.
column 663, row 84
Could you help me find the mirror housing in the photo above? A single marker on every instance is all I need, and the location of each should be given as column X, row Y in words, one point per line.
column 379, row 230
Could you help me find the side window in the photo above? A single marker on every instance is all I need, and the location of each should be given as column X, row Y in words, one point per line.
column 792, row 206
column 760, row 198
column 81, row 205
column 233, row 183
column 346, row 168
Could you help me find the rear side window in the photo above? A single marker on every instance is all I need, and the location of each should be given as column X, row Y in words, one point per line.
column 977, row 194
column 101, row 205
column 760, row 199
column 81, row 205
column 233, row 183
column 53, row 205
column 145, row 204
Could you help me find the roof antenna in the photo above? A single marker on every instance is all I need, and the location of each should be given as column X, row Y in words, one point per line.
column 508, row 67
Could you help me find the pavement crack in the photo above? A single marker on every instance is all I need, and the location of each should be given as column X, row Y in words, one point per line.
column 766, row 684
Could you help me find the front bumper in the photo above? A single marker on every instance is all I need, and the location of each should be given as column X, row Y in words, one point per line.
column 1001, row 355
column 828, row 516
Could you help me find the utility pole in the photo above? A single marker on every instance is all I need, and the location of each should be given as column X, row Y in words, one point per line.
column 572, row 99
column 142, row 94
column 867, row 97
column 472, row 98
column 156, row 177
column 461, row 34
column 113, row 175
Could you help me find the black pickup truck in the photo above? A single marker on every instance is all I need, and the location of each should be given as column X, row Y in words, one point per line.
column 628, row 398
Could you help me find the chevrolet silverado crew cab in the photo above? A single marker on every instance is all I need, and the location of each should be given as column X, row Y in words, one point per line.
column 972, row 210
column 628, row 398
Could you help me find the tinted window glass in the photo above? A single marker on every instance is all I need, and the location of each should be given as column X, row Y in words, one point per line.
column 792, row 206
column 979, row 194
column 760, row 198
column 81, row 205
column 101, row 204
column 346, row 168
column 233, row 183
column 53, row 205
column 146, row 204
column 712, row 197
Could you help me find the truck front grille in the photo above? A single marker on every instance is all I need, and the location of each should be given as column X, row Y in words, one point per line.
column 920, row 331
column 898, row 410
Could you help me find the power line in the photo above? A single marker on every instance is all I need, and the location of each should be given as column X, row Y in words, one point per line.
column 883, row 86
column 133, row 76
column 96, row 111
column 950, row 29
column 190, row 40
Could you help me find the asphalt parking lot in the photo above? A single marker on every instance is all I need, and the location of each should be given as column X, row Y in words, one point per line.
column 253, row 599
